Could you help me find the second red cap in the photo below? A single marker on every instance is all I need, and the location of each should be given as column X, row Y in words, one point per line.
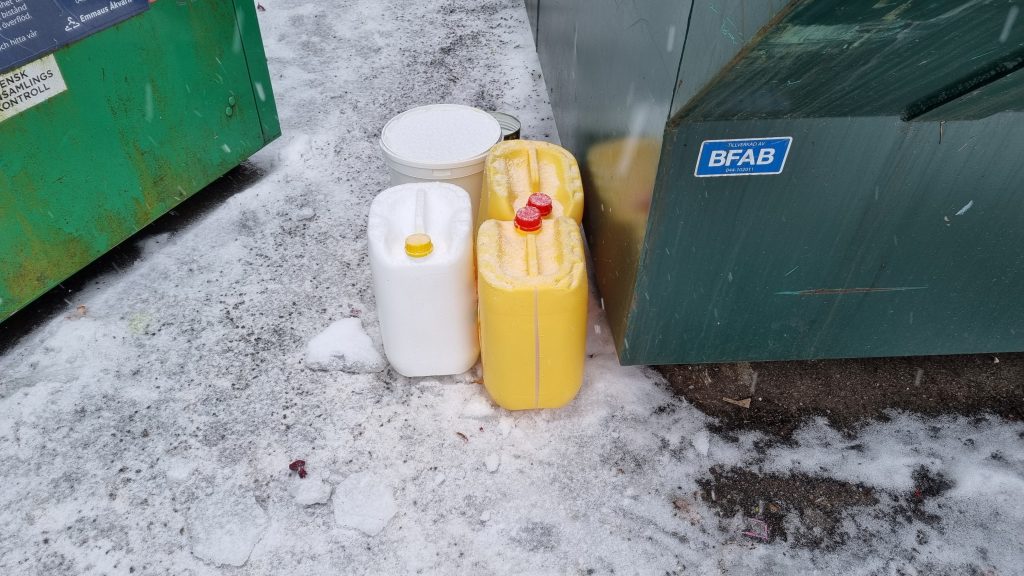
column 541, row 202
column 528, row 219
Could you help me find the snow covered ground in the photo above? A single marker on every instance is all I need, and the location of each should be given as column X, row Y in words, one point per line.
column 152, row 435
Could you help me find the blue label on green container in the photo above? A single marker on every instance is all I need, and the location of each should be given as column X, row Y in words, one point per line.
column 30, row 29
column 743, row 156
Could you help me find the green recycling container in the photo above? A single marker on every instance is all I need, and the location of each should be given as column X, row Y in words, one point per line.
column 111, row 113
column 796, row 179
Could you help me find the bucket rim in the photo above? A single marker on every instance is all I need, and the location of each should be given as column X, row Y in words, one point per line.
column 393, row 157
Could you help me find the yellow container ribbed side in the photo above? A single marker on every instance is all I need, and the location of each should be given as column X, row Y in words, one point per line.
column 515, row 169
column 533, row 312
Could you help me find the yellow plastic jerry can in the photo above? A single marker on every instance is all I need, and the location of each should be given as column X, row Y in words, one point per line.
column 532, row 284
column 516, row 169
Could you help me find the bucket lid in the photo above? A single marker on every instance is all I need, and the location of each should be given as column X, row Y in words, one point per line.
column 439, row 136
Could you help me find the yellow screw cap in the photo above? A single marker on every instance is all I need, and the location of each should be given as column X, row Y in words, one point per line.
column 418, row 245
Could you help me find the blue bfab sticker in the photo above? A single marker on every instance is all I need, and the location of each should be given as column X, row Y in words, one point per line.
column 742, row 157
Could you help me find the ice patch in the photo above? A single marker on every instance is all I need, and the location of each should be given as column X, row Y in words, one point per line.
column 701, row 441
column 296, row 152
column 364, row 503
column 505, row 426
column 492, row 462
column 309, row 491
column 153, row 244
column 179, row 469
column 478, row 407
column 225, row 526
column 344, row 346
column 988, row 483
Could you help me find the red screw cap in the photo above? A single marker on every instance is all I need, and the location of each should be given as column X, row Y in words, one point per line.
column 528, row 219
column 541, row 202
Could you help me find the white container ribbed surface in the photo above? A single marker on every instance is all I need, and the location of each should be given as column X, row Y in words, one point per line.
column 426, row 306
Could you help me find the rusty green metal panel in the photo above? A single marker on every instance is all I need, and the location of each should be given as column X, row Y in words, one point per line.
column 532, row 10
column 259, row 75
column 156, row 108
column 716, row 33
column 825, row 58
column 876, row 240
column 1004, row 95
column 893, row 228
column 610, row 71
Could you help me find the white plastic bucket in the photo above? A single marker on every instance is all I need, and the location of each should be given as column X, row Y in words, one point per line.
column 440, row 142
column 421, row 256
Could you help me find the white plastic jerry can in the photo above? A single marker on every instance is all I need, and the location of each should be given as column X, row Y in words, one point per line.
column 421, row 256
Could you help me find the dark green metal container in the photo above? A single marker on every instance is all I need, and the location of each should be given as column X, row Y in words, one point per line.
column 897, row 224
column 156, row 107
